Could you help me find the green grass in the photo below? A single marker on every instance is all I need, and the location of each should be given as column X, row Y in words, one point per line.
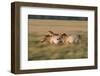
column 41, row 51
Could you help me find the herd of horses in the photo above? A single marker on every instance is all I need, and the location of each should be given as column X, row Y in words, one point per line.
column 61, row 38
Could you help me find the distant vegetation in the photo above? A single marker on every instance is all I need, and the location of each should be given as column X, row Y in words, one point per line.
column 57, row 17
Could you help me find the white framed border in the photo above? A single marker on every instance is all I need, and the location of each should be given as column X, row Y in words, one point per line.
column 25, row 64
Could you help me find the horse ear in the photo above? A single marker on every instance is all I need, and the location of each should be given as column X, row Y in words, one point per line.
column 51, row 33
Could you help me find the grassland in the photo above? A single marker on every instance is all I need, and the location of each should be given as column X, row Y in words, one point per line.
column 41, row 51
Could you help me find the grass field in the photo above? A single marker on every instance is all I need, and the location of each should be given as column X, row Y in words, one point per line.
column 40, row 51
